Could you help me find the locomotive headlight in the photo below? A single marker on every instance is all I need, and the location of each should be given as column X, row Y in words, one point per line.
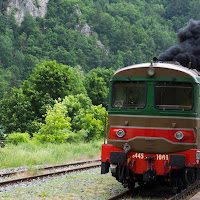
column 151, row 71
column 120, row 133
column 179, row 135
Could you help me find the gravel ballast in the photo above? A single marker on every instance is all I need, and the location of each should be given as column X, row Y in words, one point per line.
column 90, row 184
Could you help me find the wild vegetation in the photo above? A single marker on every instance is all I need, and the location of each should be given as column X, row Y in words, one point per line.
column 54, row 80
column 31, row 153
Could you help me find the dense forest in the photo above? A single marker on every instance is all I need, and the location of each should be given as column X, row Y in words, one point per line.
column 45, row 62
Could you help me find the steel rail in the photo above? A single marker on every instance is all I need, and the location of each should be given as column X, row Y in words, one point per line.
column 50, row 167
column 186, row 192
column 119, row 196
column 183, row 194
column 25, row 179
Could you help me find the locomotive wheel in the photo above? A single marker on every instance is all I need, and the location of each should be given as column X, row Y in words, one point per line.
column 131, row 184
column 189, row 176
column 178, row 185
column 141, row 183
column 178, row 181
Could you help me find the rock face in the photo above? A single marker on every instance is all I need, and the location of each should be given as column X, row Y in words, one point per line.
column 86, row 29
column 37, row 8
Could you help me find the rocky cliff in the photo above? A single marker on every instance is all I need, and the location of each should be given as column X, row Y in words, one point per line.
column 37, row 8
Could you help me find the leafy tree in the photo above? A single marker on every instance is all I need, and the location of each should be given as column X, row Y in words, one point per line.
column 29, row 25
column 72, row 119
column 52, row 37
column 6, row 51
column 39, row 101
column 65, row 57
column 16, row 113
column 55, row 79
column 96, row 89
column 29, row 64
column 92, row 120
column 94, row 126
column 194, row 9
column 75, row 104
column 48, row 82
column 19, row 59
column 97, row 85
column 15, row 78
column 86, row 118
column 2, row 23
column 79, row 77
column 41, row 97
column 56, row 127
column 5, row 77
column 175, row 10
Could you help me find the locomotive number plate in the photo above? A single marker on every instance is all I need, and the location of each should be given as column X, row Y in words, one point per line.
column 162, row 157
column 138, row 155
column 157, row 157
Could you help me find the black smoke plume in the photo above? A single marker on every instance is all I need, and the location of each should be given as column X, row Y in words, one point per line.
column 187, row 52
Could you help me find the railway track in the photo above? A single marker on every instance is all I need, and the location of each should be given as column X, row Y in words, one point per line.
column 50, row 167
column 85, row 165
column 120, row 195
column 142, row 192
column 187, row 192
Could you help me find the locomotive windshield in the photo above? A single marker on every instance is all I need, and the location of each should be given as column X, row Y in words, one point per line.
column 174, row 96
column 129, row 95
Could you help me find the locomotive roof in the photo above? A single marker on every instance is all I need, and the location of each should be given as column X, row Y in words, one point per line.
column 176, row 68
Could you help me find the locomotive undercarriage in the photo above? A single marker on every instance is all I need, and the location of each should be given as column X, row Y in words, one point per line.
column 178, row 179
column 177, row 172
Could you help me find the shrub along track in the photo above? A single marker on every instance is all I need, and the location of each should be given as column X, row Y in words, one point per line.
column 85, row 165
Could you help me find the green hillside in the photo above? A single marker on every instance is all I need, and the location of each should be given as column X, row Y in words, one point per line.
column 122, row 33
column 131, row 32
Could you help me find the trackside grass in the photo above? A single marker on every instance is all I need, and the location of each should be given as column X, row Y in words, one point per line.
column 29, row 154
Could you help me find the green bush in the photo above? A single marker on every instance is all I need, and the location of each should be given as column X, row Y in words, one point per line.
column 19, row 137
column 74, row 119
column 42, row 138
column 57, row 126
column 77, row 137
column 87, row 120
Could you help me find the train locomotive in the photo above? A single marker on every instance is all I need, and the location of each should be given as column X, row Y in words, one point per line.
column 153, row 125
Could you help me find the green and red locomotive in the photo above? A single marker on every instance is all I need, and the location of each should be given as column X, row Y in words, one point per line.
column 153, row 125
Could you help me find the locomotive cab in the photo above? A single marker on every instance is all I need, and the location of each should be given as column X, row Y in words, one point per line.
column 153, row 124
column 156, row 111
